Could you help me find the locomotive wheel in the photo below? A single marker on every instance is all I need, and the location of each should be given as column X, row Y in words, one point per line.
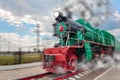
column 74, row 64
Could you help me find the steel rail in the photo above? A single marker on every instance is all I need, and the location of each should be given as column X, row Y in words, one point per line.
column 36, row 76
column 68, row 75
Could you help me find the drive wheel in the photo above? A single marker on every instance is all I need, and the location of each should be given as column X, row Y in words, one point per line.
column 74, row 65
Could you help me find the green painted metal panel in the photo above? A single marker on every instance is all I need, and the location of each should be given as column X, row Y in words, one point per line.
column 107, row 38
column 88, row 52
column 80, row 35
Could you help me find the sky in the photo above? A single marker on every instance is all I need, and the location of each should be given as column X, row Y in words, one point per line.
column 19, row 18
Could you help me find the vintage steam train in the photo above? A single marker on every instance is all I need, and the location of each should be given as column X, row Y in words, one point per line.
column 78, row 41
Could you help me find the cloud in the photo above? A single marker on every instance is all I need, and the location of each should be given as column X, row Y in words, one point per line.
column 26, row 41
column 17, row 20
column 117, row 15
column 16, row 41
column 17, row 12
column 116, row 33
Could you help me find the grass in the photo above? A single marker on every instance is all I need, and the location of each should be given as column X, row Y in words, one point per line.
column 6, row 60
column 14, row 59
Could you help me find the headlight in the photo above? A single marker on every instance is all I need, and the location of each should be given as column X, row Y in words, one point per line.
column 57, row 13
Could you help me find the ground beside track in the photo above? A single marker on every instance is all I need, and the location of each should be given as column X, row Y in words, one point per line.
column 112, row 74
column 109, row 73
column 20, row 73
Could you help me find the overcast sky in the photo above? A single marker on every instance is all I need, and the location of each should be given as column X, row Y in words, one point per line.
column 18, row 19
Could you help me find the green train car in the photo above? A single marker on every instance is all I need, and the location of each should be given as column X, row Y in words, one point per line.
column 83, row 34
column 78, row 41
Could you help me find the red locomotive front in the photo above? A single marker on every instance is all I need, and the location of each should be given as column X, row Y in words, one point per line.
column 58, row 60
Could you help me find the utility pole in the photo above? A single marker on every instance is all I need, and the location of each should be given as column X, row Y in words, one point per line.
column 20, row 53
column 38, row 35
column 8, row 46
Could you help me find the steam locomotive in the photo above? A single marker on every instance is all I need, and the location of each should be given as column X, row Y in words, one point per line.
column 78, row 41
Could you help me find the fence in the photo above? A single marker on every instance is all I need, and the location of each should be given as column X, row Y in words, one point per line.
column 10, row 58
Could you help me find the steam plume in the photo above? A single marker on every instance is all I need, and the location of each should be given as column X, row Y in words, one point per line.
column 93, row 11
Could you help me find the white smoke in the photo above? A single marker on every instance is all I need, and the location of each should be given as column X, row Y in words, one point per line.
column 59, row 70
column 106, row 61
column 93, row 11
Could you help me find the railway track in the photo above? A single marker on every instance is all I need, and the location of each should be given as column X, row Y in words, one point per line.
column 83, row 75
column 90, row 74
column 34, row 77
column 70, row 75
column 66, row 76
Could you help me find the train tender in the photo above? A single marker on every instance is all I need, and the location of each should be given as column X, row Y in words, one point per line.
column 78, row 41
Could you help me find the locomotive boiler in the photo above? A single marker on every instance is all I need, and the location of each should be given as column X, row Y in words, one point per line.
column 78, row 41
